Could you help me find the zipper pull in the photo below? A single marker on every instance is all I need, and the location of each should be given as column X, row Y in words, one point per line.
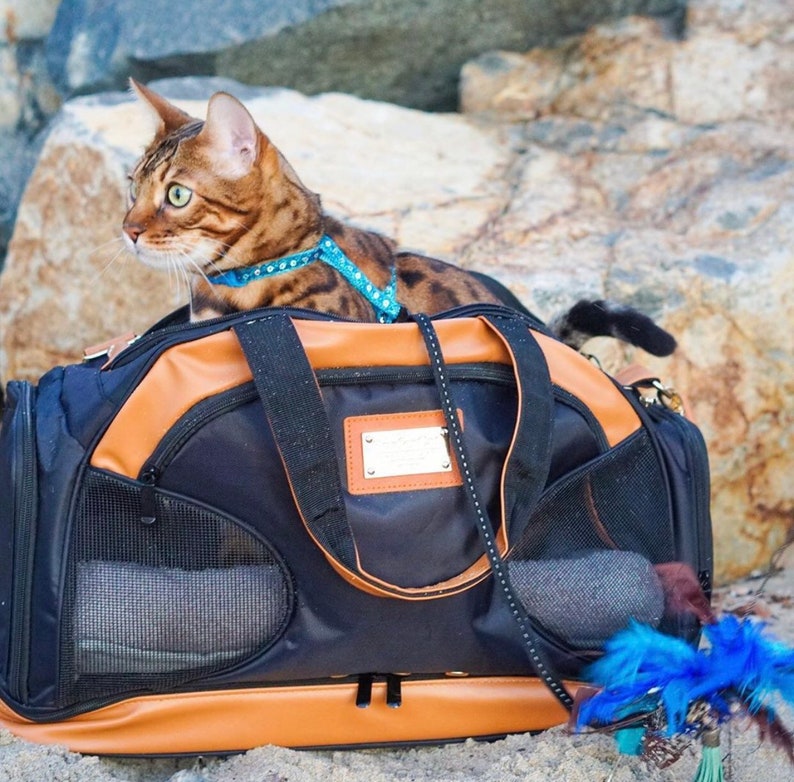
column 111, row 348
column 364, row 690
column 148, row 479
column 394, row 696
column 394, row 693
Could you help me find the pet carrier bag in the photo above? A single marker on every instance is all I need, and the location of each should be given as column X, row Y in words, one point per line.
column 278, row 527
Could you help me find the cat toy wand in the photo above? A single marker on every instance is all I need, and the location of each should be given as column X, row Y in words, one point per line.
column 674, row 693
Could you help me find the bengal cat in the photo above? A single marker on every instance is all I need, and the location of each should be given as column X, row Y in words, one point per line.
column 216, row 200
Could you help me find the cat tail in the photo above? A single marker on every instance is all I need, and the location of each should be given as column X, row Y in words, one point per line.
column 601, row 318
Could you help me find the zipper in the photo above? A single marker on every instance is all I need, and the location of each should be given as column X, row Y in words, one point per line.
column 197, row 417
column 567, row 398
column 496, row 374
column 208, row 409
column 173, row 333
column 25, row 502
column 176, row 333
column 211, row 408
column 487, row 373
column 497, row 311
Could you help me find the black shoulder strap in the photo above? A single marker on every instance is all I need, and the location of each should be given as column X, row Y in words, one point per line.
column 286, row 385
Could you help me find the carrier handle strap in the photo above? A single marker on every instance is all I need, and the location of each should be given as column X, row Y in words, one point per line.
column 516, row 337
column 293, row 405
column 294, row 408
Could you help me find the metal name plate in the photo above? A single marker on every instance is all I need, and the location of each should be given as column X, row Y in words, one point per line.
column 398, row 452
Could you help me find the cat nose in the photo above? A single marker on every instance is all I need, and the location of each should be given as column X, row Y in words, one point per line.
column 133, row 230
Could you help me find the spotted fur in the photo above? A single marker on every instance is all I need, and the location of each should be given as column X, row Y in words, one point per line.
column 246, row 205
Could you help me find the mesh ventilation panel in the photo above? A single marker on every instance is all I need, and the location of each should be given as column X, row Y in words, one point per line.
column 155, row 605
column 584, row 566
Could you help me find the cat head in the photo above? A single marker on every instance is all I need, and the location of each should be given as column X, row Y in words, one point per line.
column 209, row 195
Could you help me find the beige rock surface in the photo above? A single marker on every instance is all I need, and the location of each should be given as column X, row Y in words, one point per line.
column 661, row 172
column 427, row 180
column 736, row 62
column 615, row 179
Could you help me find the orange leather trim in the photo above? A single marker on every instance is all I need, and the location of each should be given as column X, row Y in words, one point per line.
column 188, row 373
column 635, row 373
column 307, row 716
column 355, row 429
column 579, row 376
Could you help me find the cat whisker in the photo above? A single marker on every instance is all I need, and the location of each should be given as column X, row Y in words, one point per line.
column 184, row 275
column 202, row 265
column 175, row 269
column 119, row 254
column 240, row 224
column 199, row 270
column 114, row 240
column 181, row 260
column 212, row 266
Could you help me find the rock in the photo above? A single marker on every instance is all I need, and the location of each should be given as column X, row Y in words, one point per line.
column 690, row 221
column 431, row 181
column 25, row 91
column 26, row 99
column 10, row 108
column 661, row 172
column 17, row 158
column 408, row 51
column 26, row 20
column 632, row 66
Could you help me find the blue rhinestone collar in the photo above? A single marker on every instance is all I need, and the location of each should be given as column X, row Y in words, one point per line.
column 383, row 301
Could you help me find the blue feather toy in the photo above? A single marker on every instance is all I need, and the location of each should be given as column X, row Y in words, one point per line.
column 738, row 670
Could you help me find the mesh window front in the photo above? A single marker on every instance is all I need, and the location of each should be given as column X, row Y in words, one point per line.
column 149, row 606
column 584, row 565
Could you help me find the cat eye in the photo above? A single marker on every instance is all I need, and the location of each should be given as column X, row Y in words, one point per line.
column 179, row 195
column 133, row 190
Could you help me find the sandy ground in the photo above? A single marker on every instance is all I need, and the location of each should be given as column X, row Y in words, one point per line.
column 547, row 757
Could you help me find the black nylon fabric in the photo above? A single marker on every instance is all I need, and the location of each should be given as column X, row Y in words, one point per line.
column 535, row 384
column 294, row 407
column 228, row 469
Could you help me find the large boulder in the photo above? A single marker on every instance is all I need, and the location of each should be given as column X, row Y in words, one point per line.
column 614, row 70
column 27, row 98
column 405, row 51
column 689, row 220
column 17, row 158
column 25, row 91
column 662, row 172
column 431, row 181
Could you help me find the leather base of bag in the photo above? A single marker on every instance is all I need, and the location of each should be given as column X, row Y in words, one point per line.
column 305, row 716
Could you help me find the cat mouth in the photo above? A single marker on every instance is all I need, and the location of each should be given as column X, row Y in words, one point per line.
column 165, row 259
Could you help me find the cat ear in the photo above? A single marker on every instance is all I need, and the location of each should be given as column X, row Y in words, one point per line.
column 167, row 116
column 231, row 134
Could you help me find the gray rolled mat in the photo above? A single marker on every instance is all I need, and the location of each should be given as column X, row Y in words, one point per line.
column 586, row 599
column 130, row 618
